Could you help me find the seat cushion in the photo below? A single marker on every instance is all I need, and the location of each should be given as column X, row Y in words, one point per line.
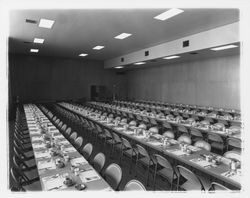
column 31, row 174
column 167, row 173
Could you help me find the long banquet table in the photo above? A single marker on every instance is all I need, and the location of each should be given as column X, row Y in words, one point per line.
column 195, row 160
column 76, row 167
column 225, row 133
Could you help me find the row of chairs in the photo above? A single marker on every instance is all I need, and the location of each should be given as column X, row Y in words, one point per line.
column 23, row 170
column 139, row 155
column 112, row 174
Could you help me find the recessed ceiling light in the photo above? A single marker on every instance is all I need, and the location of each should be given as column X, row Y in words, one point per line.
column 34, row 50
column 224, row 47
column 119, row 67
column 140, row 63
column 83, row 54
column 168, row 14
column 123, row 36
column 171, row 57
column 98, row 47
column 46, row 23
column 38, row 40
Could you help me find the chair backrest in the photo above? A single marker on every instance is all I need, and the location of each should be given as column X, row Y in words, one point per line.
column 126, row 143
column 87, row 150
column 214, row 137
column 184, row 139
column 73, row 136
column 68, row 131
column 113, row 175
column 99, row 162
column 203, row 145
column 78, row 142
column 124, row 120
column 108, row 134
column 190, row 176
column 142, row 126
column 235, row 155
column 233, row 142
column 167, row 125
column 163, row 162
column 116, row 138
column 168, row 134
column 154, row 130
column 142, row 151
column 218, row 187
column 195, row 133
column 64, row 127
column 132, row 123
column 182, row 129
column 133, row 185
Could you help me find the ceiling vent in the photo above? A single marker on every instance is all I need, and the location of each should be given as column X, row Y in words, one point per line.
column 27, row 42
column 30, row 21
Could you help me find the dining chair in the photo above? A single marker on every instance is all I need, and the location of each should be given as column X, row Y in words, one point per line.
column 134, row 185
column 233, row 144
column 143, row 158
column 68, row 131
column 63, row 129
column 127, row 150
column 182, row 130
column 191, row 181
column 113, row 175
column 87, row 151
column 203, row 145
column 99, row 162
column 184, row 139
column 167, row 126
column 195, row 134
column 218, row 187
column 216, row 142
column 132, row 123
column 73, row 137
column 23, row 182
column 117, row 143
column 165, row 169
column 234, row 155
column 78, row 143
column 142, row 126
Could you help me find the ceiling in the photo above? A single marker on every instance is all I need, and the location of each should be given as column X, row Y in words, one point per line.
column 78, row 31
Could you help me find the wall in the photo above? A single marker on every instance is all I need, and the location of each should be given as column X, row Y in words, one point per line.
column 35, row 78
column 210, row 82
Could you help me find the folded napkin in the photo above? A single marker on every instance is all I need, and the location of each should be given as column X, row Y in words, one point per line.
column 53, row 183
column 49, row 164
column 89, row 176
column 43, row 154
column 38, row 145
column 78, row 161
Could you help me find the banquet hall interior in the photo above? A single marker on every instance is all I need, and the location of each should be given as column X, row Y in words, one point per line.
column 124, row 99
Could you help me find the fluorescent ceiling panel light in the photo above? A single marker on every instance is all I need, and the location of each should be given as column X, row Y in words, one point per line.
column 224, row 47
column 171, row 57
column 140, row 63
column 119, row 67
column 38, row 40
column 168, row 14
column 98, row 47
column 34, row 50
column 83, row 54
column 46, row 23
column 123, row 36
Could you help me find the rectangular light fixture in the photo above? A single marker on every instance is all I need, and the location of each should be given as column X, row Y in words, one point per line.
column 34, row 50
column 83, row 54
column 98, row 47
column 38, row 40
column 123, row 36
column 223, row 47
column 46, row 23
column 140, row 63
column 171, row 57
column 119, row 67
column 168, row 14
